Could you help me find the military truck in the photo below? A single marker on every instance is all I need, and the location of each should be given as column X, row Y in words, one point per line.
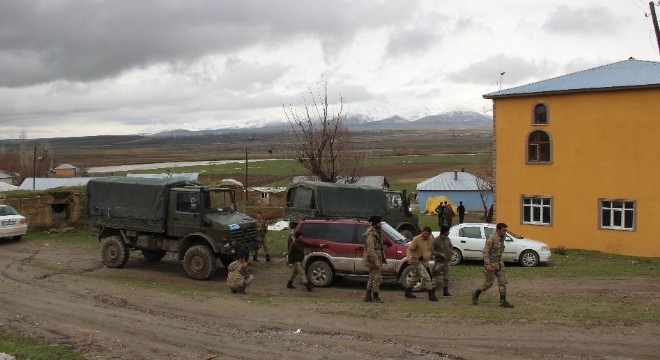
column 157, row 216
column 307, row 199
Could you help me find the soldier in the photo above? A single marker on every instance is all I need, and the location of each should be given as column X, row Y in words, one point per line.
column 448, row 214
column 295, row 258
column 262, row 230
column 373, row 259
column 442, row 251
column 418, row 255
column 461, row 212
column 238, row 276
column 440, row 211
column 493, row 266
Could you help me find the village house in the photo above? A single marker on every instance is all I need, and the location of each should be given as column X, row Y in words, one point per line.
column 66, row 170
column 576, row 155
column 456, row 186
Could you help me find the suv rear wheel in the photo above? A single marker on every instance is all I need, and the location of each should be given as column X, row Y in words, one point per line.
column 407, row 278
column 320, row 274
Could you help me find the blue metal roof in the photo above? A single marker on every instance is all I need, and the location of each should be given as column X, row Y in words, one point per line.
column 619, row 75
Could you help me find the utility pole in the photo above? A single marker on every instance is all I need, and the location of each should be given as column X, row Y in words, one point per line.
column 655, row 24
column 246, row 177
column 34, row 170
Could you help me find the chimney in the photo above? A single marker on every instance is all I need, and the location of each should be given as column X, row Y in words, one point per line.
column 455, row 174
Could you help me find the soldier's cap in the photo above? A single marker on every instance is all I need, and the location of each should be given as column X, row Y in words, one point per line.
column 375, row 219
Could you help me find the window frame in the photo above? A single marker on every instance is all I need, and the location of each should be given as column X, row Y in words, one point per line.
column 533, row 206
column 547, row 114
column 633, row 209
column 538, row 148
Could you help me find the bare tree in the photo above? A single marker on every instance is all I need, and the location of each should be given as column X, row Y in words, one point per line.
column 32, row 159
column 321, row 142
column 485, row 181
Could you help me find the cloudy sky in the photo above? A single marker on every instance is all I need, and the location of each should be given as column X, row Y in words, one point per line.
column 91, row 67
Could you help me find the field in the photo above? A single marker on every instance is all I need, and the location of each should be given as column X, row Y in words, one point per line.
column 55, row 291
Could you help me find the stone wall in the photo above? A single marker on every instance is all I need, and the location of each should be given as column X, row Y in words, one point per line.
column 51, row 210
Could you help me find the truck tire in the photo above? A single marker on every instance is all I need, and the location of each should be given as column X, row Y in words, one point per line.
column 320, row 274
column 114, row 252
column 199, row 262
column 153, row 255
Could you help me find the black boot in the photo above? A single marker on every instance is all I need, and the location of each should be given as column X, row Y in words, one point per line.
column 368, row 297
column 233, row 291
column 254, row 258
column 290, row 285
column 445, row 291
column 432, row 296
column 377, row 298
column 504, row 303
column 475, row 296
column 309, row 286
column 409, row 294
column 267, row 257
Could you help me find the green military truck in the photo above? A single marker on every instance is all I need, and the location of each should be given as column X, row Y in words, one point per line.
column 158, row 216
column 307, row 199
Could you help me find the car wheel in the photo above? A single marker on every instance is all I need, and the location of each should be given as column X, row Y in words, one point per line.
column 407, row 233
column 114, row 252
column 529, row 258
column 407, row 276
column 320, row 273
column 199, row 262
column 456, row 256
column 153, row 255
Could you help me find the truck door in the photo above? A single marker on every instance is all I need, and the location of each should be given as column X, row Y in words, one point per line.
column 184, row 215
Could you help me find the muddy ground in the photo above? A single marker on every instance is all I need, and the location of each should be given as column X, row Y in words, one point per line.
column 61, row 293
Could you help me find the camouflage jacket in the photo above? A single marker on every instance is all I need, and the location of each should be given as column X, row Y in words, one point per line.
column 493, row 250
column 373, row 248
column 442, row 246
column 237, row 274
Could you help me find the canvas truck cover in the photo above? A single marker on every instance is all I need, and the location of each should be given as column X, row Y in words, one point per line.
column 137, row 203
column 332, row 199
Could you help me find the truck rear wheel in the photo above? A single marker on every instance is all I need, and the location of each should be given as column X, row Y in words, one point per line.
column 199, row 262
column 114, row 252
column 153, row 255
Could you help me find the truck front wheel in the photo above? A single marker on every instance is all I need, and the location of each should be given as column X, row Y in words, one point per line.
column 114, row 252
column 199, row 262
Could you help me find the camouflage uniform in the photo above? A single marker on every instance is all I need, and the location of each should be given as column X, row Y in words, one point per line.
column 441, row 247
column 296, row 257
column 419, row 254
column 262, row 230
column 238, row 277
column 373, row 258
column 448, row 215
column 492, row 251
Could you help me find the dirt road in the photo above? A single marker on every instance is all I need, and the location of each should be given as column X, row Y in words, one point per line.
column 61, row 293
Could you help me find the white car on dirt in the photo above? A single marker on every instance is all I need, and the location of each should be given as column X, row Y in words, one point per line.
column 12, row 225
column 468, row 241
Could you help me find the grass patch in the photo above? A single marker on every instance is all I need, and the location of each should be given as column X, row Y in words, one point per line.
column 78, row 236
column 24, row 348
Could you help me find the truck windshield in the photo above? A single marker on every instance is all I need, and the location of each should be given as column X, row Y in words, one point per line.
column 393, row 234
column 219, row 201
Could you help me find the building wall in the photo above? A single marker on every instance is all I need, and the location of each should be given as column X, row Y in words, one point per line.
column 64, row 172
column 470, row 199
column 50, row 211
column 604, row 145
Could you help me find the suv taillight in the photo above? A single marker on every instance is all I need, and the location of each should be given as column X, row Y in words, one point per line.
column 23, row 221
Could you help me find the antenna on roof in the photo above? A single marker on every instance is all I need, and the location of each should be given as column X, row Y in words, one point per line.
column 501, row 79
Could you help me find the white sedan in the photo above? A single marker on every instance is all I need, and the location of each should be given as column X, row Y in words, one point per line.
column 468, row 241
column 11, row 223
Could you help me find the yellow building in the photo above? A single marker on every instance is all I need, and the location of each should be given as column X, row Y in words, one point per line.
column 577, row 158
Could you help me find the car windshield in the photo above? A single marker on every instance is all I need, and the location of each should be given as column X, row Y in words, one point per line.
column 393, row 234
column 7, row 210
column 513, row 235
column 219, row 201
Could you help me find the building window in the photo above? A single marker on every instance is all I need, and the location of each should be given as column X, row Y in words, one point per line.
column 537, row 210
column 539, row 147
column 617, row 214
column 540, row 114
column 264, row 195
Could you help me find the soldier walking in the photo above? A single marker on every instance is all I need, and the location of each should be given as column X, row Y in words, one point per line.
column 448, row 214
column 418, row 256
column 373, row 259
column 493, row 266
column 238, row 276
column 442, row 251
column 295, row 258
column 262, row 230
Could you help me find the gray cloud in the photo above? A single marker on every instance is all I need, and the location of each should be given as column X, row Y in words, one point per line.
column 597, row 20
column 81, row 40
column 516, row 70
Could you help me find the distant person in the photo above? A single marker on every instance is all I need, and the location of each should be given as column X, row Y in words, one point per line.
column 262, row 230
column 440, row 210
column 461, row 212
column 418, row 256
column 448, row 214
column 442, row 252
column 295, row 258
column 373, row 259
column 494, row 266
column 238, row 276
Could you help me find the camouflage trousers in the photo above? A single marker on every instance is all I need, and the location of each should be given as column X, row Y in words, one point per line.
column 243, row 284
column 298, row 271
column 421, row 273
column 489, row 278
column 263, row 241
column 375, row 279
column 441, row 272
